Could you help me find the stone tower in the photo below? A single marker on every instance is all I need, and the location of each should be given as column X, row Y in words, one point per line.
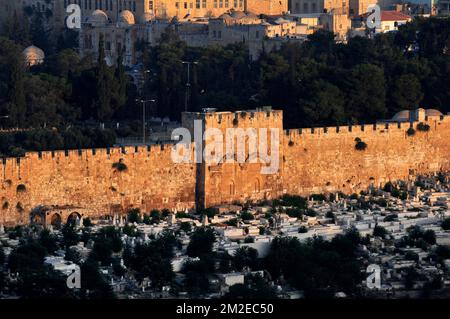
column 238, row 175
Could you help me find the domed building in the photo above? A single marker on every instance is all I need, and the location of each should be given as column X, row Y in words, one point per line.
column 416, row 115
column 126, row 18
column 98, row 18
column 402, row 116
column 33, row 55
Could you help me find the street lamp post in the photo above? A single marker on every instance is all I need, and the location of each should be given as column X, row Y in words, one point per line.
column 143, row 116
column 188, row 83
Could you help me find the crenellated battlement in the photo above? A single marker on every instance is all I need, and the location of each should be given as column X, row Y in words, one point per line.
column 105, row 181
column 367, row 130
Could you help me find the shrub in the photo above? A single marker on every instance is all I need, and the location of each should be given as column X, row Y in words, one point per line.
column 186, row 227
column 294, row 212
column 411, row 131
column 293, row 200
column 388, row 187
column 446, row 224
column 360, row 146
column 249, row 240
column 302, row 229
column 318, row 197
column 87, row 222
column 423, row 127
column 379, row 231
column 247, row 216
column 134, row 216
column 120, row 166
column 390, row 218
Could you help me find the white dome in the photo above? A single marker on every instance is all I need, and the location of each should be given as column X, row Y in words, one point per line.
column 433, row 112
column 402, row 116
column 126, row 17
column 33, row 55
column 98, row 18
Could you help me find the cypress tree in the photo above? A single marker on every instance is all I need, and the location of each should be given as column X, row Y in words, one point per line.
column 103, row 85
column 120, row 97
column 16, row 94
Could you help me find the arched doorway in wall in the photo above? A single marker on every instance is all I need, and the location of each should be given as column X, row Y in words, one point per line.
column 74, row 218
column 56, row 220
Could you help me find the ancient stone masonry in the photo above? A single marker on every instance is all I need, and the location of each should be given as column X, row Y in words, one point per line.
column 104, row 182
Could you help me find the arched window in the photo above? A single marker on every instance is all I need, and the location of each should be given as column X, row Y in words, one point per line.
column 257, row 186
column 232, row 188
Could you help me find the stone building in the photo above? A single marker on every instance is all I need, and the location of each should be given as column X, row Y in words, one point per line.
column 358, row 7
column 234, row 27
column 144, row 10
column 318, row 6
column 338, row 23
column 122, row 35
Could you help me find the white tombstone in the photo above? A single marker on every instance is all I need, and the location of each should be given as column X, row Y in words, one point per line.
column 205, row 221
column 173, row 219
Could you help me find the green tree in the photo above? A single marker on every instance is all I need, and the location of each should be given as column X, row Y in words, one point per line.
column 201, row 243
column 70, row 235
column 366, row 93
column 12, row 70
column 379, row 231
column 245, row 257
column 324, row 104
column 134, row 216
column 104, row 81
column 406, row 93
column 446, row 224
column 49, row 241
column 17, row 30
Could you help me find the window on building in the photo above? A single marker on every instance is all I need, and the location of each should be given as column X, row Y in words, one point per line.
column 204, row 4
column 305, row 7
column 197, row 4
column 232, row 188
column 185, row 5
column 257, row 186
